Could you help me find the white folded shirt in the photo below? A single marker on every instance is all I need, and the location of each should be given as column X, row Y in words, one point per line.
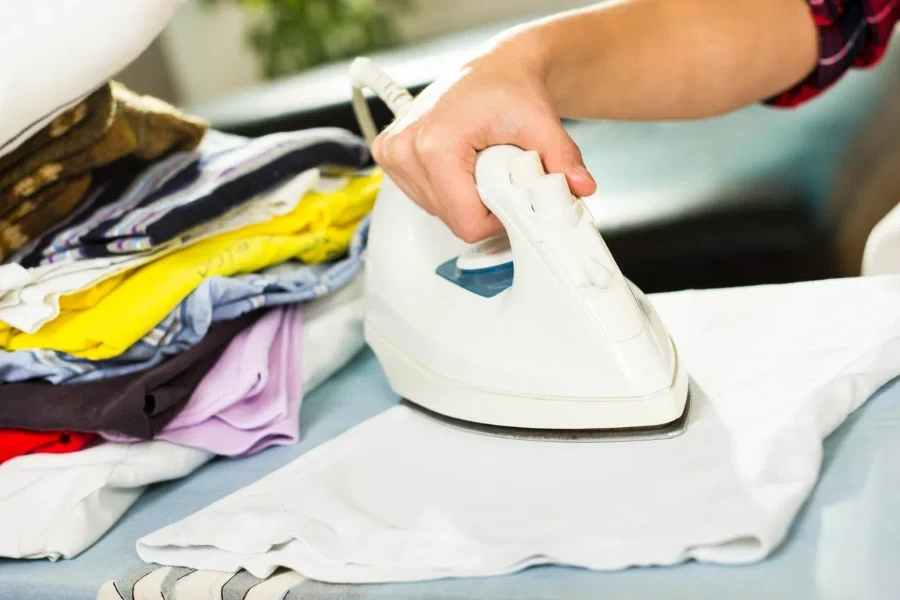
column 332, row 333
column 774, row 370
column 57, row 505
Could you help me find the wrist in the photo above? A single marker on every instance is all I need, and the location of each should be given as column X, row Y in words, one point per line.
column 546, row 53
column 519, row 51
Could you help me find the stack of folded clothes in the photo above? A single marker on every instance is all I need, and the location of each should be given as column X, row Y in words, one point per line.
column 158, row 284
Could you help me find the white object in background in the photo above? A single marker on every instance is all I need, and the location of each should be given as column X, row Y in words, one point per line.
column 63, row 51
column 56, row 505
column 882, row 253
column 403, row 497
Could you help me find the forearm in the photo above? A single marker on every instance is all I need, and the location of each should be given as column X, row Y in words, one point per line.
column 667, row 59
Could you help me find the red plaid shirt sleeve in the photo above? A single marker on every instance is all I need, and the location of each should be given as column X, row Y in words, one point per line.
column 852, row 33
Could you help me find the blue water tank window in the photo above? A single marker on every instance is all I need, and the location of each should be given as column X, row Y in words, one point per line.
column 487, row 283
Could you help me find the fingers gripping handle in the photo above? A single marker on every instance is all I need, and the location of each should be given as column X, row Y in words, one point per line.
column 549, row 193
column 365, row 74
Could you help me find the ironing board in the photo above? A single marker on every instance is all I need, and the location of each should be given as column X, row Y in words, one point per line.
column 845, row 544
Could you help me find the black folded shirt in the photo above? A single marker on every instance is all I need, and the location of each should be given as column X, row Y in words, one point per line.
column 138, row 404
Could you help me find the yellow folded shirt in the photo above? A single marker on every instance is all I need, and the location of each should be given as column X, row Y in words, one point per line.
column 104, row 321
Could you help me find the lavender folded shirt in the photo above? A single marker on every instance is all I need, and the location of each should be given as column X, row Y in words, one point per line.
column 250, row 400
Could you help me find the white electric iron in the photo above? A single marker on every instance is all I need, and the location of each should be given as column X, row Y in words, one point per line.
column 536, row 335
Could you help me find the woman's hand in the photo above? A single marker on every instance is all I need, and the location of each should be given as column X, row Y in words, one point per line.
column 498, row 98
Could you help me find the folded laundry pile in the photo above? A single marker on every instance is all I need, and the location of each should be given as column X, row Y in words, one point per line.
column 167, row 294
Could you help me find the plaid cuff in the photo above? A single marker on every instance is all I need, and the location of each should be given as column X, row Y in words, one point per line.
column 852, row 33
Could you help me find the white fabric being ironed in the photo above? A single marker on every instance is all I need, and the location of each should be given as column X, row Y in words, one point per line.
column 774, row 369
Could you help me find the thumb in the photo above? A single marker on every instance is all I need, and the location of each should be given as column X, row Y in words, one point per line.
column 560, row 154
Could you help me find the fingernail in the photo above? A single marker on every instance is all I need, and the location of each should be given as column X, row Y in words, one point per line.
column 582, row 170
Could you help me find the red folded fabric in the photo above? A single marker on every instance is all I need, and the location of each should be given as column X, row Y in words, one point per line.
column 18, row 442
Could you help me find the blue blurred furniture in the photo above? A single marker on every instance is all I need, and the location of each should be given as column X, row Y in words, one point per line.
column 735, row 200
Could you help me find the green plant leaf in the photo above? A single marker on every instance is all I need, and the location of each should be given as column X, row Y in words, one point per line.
column 293, row 35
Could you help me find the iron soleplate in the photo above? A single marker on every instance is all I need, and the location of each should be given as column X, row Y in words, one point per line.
column 621, row 434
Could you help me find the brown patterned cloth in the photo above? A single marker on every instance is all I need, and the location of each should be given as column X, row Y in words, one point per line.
column 44, row 179
column 34, row 215
column 68, row 134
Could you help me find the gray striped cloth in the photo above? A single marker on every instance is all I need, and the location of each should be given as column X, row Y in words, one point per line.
column 153, row 582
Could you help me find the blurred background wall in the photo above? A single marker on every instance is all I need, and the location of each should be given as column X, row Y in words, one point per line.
column 204, row 54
